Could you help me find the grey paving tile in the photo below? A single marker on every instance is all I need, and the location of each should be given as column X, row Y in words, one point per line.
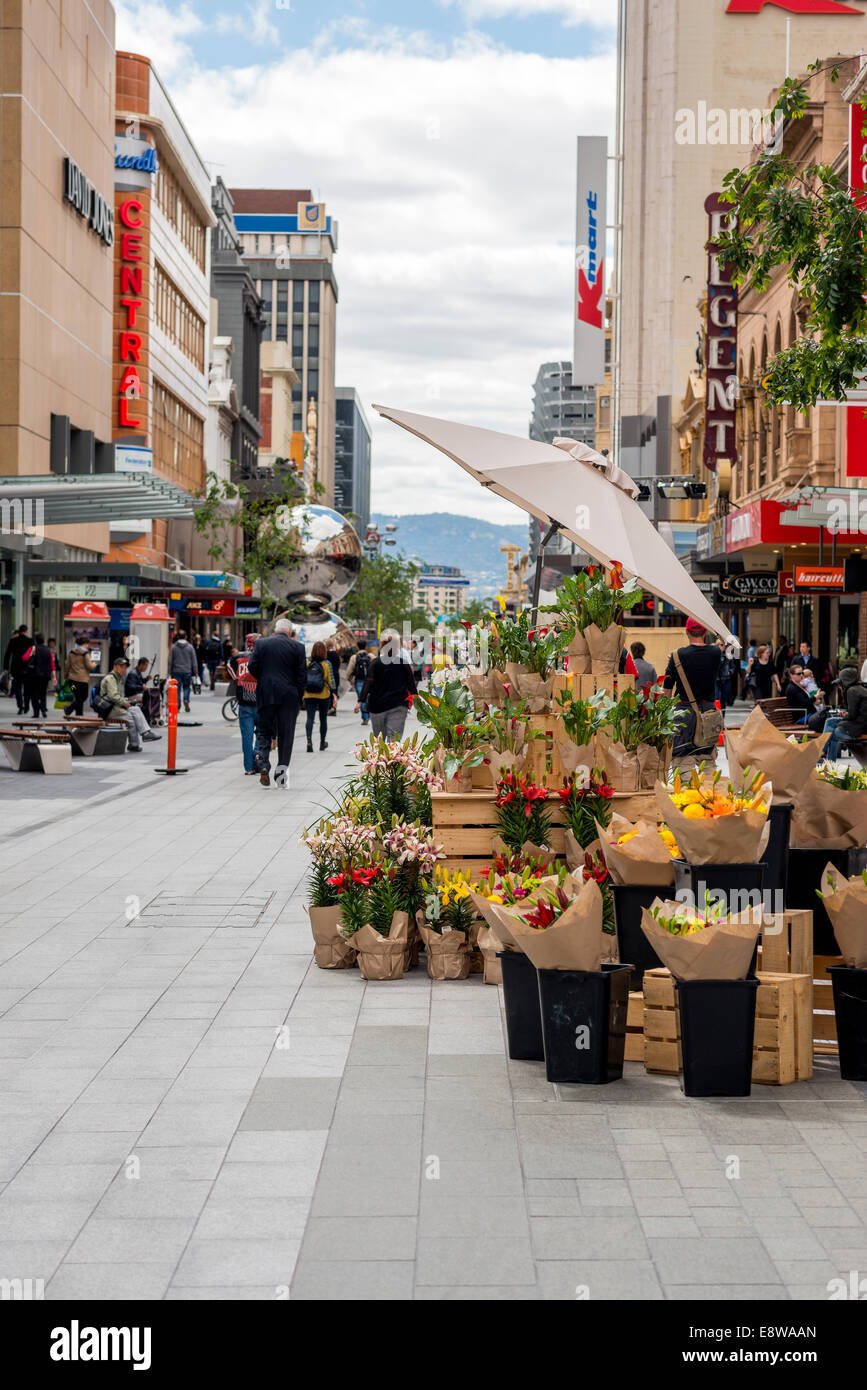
column 728, row 1293
column 382, row 1280
column 116, row 1240
column 256, row 1218
column 474, row 1260
column 291, row 1103
column 597, row 1280
column 588, row 1237
column 132, row 1282
column 712, row 1260
column 338, row 1238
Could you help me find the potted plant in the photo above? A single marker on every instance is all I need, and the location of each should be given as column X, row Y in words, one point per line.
column 710, row 957
column 585, row 800
column 339, row 847
column 639, row 859
column 375, row 923
column 446, row 925
column 605, row 600
column 845, row 900
column 573, row 618
column 395, row 779
column 721, row 829
column 582, row 721
column 457, row 736
column 521, row 816
column 829, row 827
column 634, row 747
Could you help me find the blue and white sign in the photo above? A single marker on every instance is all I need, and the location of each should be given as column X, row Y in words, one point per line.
column 131, row 458
column 135, row 162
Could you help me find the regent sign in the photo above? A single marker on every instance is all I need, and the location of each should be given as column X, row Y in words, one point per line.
column 792, row 6
column 721, row 381
column 131, row 299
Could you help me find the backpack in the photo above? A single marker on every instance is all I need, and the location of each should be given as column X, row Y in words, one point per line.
column 315, row 678
column 362, row 666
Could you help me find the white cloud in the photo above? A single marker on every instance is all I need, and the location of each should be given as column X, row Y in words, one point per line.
column 451, row 172
column 600, row 13
column 161, row 31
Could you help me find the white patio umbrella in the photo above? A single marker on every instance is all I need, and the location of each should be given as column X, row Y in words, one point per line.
column 576, row 491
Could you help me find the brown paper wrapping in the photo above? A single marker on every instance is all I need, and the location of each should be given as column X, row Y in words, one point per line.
column 383, row 957
column 574, row 852
column 574, row 942
column 761, row 746
column 642, row 860
column 536, row 690
column 531, row 851
column 448, row 954
column 575, row 755
column 627, row 771
column 499, row 763
column 463, row 783
column 489, row 944
column 331, row 950
column 579, row 655
column 739, row 839
column 605, row 648
column 826, row 817
column 846, row 907
column 514, row 671
column 721, row 952
column 485, row 690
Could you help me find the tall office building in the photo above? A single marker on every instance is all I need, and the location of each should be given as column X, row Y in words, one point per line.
column 288, row 243
column 352, row 457
column 697, row 77
column 239, row 318
column 560, row 408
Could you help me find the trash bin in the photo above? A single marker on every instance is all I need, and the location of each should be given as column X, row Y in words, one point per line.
column 776, row 857
column 717, row 1028
column 521, row 996
column 850, row 1008
column 715, row 878
column 804, row 879
column 633, row 947
column 584, row 1023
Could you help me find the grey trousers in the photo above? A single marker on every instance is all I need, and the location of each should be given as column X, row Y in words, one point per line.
column 390, row 724
column 138, row 725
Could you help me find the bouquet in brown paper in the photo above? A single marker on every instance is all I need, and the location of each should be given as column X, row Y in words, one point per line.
column 485, row 689
column 701, row 945
column 383, row 956
column 536, row 690
column 564, row 930
column 521, row 813
column 831, row 811
column 490, row 945
column 635, row 747
column 508, row 735
column 636, row 854
column 785, row 762
column 331, row 950
column 845, row 901
column 586, row 800
column 715, row 823
column 578, row 654
column 445, row 925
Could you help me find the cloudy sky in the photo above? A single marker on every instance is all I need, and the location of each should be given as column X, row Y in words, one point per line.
column 441, row 135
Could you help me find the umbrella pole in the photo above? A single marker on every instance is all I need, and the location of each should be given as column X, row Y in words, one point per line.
column 537, row 582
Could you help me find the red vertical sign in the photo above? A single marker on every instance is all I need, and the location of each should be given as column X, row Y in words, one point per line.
column 856, row 415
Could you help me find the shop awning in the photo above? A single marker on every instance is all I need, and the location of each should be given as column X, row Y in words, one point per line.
column 830, row 508
column 48, row 499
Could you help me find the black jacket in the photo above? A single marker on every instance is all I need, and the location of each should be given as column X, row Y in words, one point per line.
column 389, row 685
column 40, row 664
column 798, row 698
column 279, row 664
column 16, row 648
column 134, row 684
column 856, row 702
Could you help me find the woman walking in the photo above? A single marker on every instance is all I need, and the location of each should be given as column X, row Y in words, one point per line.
column 77, row 671
column 318, row 695
column 764, row 676
column 40, row 670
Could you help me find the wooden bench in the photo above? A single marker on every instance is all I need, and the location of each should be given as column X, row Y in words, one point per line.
column 39, row 751
column 780, row 713
column 90, row 737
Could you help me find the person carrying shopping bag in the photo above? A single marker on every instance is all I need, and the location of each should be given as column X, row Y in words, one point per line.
column 319, row 695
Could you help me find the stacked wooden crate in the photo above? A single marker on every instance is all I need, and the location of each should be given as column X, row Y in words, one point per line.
column 788, row 948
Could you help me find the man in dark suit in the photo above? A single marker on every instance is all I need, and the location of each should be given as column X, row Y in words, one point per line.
column 279, row 664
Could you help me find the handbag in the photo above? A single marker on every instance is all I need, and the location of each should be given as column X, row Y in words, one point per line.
column 709, row 723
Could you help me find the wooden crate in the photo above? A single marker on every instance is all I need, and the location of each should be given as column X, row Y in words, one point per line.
column 789, row 950
column 464, row 824
column 635, row 1028
column 782, row 1050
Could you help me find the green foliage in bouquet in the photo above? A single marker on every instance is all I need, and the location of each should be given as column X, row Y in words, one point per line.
column 582, row 719
column 640, row 717
column 451, row 718
column 851, row 779
column 521, row 814
column 320, row 891
column 384, row 899
column 591, row 598
column 586, row 798
column 527, row 644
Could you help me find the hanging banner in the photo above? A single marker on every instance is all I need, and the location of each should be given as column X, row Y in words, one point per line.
column 588, row 356
column 721, row 380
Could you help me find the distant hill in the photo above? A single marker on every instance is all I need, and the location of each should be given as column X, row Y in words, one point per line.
column 473, row 545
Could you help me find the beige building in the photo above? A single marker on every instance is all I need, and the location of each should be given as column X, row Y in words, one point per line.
column 440, row 590
column 56, row 263
column 697, row 81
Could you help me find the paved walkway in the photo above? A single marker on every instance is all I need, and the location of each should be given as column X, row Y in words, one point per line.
column 190, row 1110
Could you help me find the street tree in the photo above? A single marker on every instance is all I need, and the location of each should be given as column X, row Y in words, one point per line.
column 384, row 591
column 806, row 221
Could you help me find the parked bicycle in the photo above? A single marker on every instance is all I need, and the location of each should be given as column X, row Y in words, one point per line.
column 230, row 708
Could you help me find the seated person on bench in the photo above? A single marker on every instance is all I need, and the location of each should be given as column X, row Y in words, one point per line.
column 114, row 705
column 801, row 702
column 854, row 726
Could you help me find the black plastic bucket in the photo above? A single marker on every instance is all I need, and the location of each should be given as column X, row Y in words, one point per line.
column 632, row 945
column 850, row 1008
column 584, row 1023
column 776, row 856
column 717, row 1028
column 521, row 996
column 715, row 878
column 803, row 880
